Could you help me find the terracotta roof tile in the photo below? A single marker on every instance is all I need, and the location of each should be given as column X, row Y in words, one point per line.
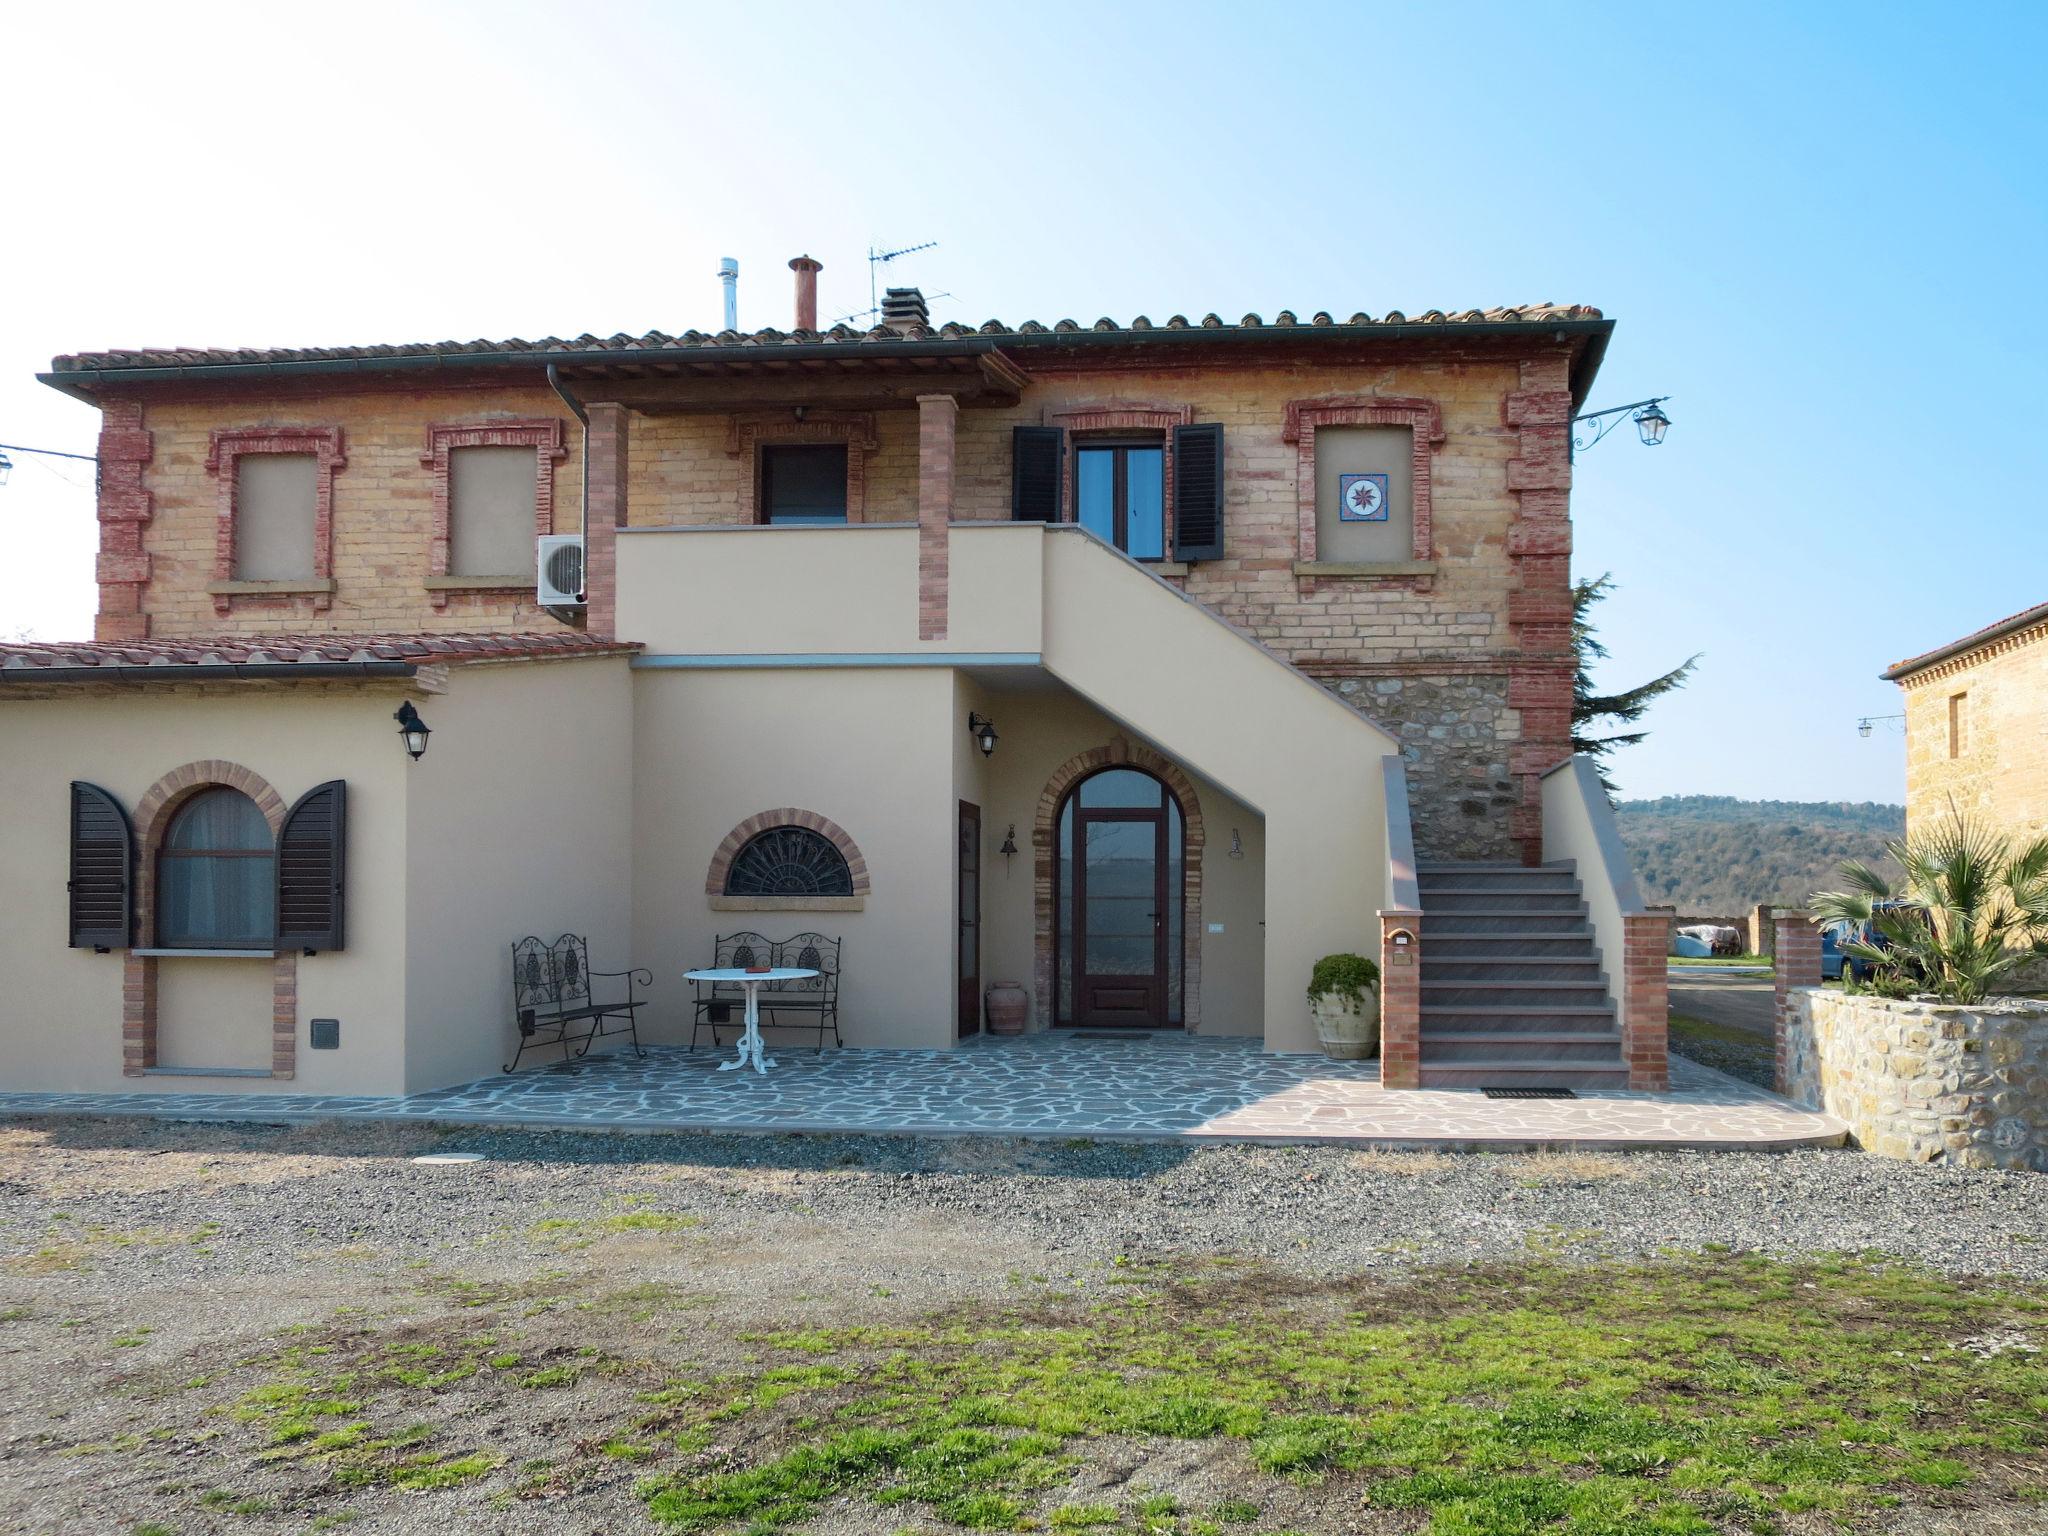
column 2026, row 618
column 23, row 659
column 692, row 341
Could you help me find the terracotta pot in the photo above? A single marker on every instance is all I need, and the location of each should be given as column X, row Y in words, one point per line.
column 1008, row 1004
column 1347, row 1033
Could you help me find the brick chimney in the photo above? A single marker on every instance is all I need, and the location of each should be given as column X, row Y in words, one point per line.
column 806, row 271
column 904, row 309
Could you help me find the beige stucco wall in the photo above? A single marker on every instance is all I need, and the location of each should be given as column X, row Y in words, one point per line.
column 841, row 591
column 871, row 750
column 1272, row 738
column 519, row 821
column 2000, row 777
column 1041, row 730
column 60, row 1018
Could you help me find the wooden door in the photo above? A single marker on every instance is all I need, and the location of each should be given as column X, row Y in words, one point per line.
column 1120, row 896
column 968, row 946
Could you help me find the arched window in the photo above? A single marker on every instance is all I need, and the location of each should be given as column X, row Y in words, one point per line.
column 1119, row 882
column 789, row 861
column 217, row 875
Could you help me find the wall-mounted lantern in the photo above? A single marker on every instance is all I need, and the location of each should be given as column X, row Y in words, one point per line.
column 983, row 730
column 1236, row 844
column 1009, row 848
column 1870, row 722
column 412, row 730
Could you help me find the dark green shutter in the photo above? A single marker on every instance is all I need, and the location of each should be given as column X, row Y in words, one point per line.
column 1198, row 491
column 1035, row 454
column 311, row 853
column 102, row 870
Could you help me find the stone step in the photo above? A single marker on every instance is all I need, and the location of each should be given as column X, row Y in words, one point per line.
column 1511, row 880
column 1489, row 924
column 1453, row 866
column 1583, row 966
column 1515, row 994
column 1471, row 946
column 1531, row 1048
column 1460, row 1018
column 1519, row 1074
column 1531, row 903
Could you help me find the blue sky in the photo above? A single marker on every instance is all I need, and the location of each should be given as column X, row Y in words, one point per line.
column 1821, row 229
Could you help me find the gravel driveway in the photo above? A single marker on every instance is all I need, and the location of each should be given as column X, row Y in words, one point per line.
column 138, row 1257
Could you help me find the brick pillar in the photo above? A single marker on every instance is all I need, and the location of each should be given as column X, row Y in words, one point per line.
column 1401, row 1001
column 608, row 439
column 1796, row 943
column 1540, row 597
column 125, row 508
column 936, row 417
column 138, row 1014
column 1646, row 1001
column 284, row 1015
column 806, row 271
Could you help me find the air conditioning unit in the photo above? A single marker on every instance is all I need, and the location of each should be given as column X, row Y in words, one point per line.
column 560, row 583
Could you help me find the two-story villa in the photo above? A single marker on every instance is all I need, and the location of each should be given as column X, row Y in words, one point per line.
column 1139, row 662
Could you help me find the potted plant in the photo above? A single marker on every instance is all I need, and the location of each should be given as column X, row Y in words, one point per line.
column 1344, row 996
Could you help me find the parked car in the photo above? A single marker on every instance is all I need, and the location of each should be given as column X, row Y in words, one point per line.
column 1834, row 963
column 1688, row 946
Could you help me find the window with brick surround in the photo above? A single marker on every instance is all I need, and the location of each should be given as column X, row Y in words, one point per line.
column 494, row 494
column 274, row 526
column 491, row 522
column 1958, row 724
column 803, row 483
column 276, row 503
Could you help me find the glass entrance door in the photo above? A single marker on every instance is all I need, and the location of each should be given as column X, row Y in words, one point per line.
column 1121, row 929
column 1120, row 496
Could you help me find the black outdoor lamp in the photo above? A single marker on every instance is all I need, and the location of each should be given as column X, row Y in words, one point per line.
column 983, row 730
column 412, row 730
column 1648, row 415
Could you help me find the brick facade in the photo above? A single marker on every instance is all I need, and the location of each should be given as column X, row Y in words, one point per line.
column 1468, row 662
column 1996, row 769
column 1401, row 999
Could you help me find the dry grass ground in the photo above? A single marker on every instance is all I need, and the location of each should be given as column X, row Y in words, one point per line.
column 278, row 1331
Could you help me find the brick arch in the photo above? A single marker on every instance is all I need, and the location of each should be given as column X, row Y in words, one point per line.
column 1120, row 752
column 787, row 816
column 153, row 816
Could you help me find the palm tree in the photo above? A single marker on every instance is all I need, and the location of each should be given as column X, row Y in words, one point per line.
column 1971, row 908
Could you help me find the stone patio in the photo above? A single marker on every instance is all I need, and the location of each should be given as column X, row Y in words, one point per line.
column 1204, row 1088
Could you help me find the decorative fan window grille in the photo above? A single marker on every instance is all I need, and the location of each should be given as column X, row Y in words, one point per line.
column 789, row 861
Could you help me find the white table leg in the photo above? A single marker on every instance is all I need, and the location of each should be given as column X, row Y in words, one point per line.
column 749, row 1038
column 761, row 1061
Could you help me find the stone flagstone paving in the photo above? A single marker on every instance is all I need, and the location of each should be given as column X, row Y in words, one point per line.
column 1212, row 1088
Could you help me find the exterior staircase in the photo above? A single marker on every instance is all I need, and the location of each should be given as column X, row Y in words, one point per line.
column 1513, row 994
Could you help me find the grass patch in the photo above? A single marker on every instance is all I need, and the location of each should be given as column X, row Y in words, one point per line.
column 1679, row 1398
column 1710, row 962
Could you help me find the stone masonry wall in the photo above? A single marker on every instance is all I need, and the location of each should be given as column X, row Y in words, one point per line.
column 1928, row 1082
column 1456, row 733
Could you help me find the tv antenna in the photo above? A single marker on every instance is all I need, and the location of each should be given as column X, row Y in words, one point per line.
column 877, row 260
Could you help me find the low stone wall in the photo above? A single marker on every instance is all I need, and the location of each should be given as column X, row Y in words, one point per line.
column 1924, row 1081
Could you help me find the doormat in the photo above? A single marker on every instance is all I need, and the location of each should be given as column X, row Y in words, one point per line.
column 1528, row 1093
column 1113, row 1034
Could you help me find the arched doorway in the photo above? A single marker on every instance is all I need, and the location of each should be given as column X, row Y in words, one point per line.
column 1120, row 861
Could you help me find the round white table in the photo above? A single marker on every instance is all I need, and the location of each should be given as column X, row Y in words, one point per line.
column 750, row 1039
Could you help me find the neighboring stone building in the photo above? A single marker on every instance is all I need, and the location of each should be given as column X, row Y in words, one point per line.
column 1977, row 727
column 710, row 628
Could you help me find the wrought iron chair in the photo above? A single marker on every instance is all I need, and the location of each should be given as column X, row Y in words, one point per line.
column 552, row 1002
column 817, row 995
column 725, row 1002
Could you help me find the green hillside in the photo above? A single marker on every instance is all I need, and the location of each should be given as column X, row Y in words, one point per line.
column 1714, row 855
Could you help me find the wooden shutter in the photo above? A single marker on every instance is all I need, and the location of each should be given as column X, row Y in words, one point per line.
column 102, row 870
column 1035, row 455
column 310, row 857
column 1198, row 491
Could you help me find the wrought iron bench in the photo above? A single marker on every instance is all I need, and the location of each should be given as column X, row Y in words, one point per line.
column 552, row 1003
column 724, row 1003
